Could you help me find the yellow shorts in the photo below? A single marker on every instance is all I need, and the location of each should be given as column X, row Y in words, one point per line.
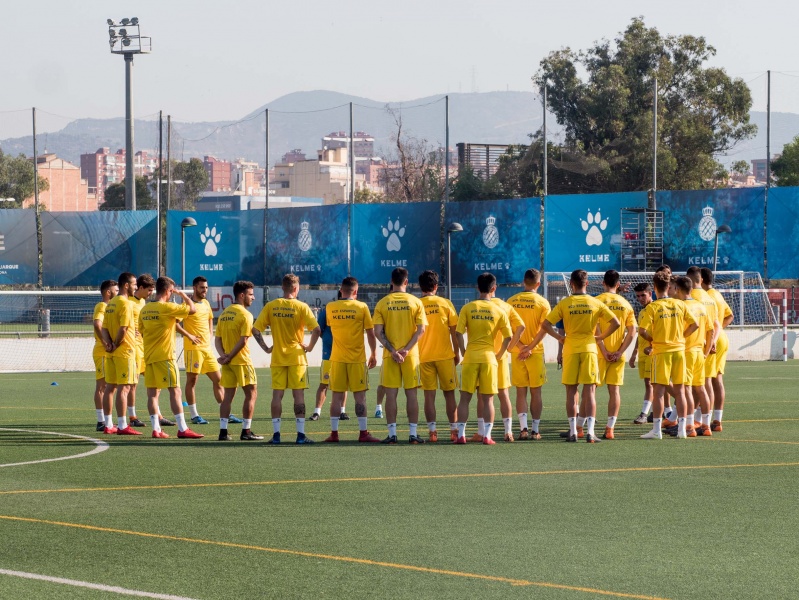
column 669, row 366
column 722, row 348
column 503, row 373
column 140, row 361
column 483, row 375
column 162, row 375
column 200, row 361
column 611, row 373
column 404, row 375
column 234, row 376
column 694, row 367
column 324, row 372
column 439, row 373
column 99, row 367
column 294, row 377
column 121, row 370
column 644, row 366
column 530, row 372
column 348, row 377
column 580, row 368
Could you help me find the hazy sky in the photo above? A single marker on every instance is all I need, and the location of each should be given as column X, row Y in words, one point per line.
column 221, row 60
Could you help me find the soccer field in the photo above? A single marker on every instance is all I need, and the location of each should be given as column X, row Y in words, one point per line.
column 628, row 518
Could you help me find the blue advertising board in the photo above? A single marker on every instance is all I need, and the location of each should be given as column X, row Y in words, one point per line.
column 224, row 247
column 583, row 231
column 690, row 221
column 310, row 242
column 385, row 236
column 499, row 236
column 18, row 254
column 782, row 233
column 84, row 248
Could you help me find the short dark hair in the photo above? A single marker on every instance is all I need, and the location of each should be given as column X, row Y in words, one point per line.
column 579, row 278
column 663, row 268
column 242, row 286
column 485, row 282
column 642, row 287
column 145, row 280
column 399, row 276
column 661, row 281
column 428, row 281
column 532, row 276
column 707, row 276
column 198, row 279
column 349, row 283
column 611, row 278
column 685, row 284
column 694, row 273
column 106, row 285
column 162, row 284
column 125, row 278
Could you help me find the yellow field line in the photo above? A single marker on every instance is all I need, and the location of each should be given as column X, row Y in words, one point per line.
column 346, row 559
column 399, row 478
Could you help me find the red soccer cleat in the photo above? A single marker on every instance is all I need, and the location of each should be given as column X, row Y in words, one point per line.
column 332, row 438
column 189, row 434
column 461, row 440
column 160, row 435
column 487, row 441
column 453, row 435
column 110, row 430
column 128, row 431
column 367, row 438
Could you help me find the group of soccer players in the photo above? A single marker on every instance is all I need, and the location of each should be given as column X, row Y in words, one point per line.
column 680, row 350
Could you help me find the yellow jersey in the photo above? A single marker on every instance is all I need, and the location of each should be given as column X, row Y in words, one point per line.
column 665, row 320
column 119, row 313
column 642, row 343
column 700, row 314
column 288, row 319
column 234, row 323
column 436, row 342
column 199, row 324
column 348, row 319
column 481, row 321
column 99, row 315
column 533, row 308
column 157, row 321
column 710, row 305
column 723, row 309
column 580, row 313
column 138, row 304
column 513, row 318
column 400, row 313
column 619, row 306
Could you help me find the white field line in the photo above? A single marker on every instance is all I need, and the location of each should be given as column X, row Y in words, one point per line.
column 100, row 446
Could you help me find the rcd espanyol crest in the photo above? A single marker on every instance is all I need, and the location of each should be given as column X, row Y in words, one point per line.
column 490, row 233
column 707, row 225
column 304, row 240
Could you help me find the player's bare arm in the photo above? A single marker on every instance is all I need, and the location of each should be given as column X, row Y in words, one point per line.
column 187, row 301
column 613, row 326
column 634, row 357
column 503, row 348
column 315, row 333
column 380, row 332
column 413, row 341
column 549, row 328
column 461, row 343
column 372, row 341
column 104, row 335
column 453, row 336
column 238, row 347
column 259, row 337
column 690, row 329
column 220, row 350
column 194, row 339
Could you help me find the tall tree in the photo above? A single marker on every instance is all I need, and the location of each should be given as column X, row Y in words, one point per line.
column 16, row 179
column 786, row 168
column 115, row 196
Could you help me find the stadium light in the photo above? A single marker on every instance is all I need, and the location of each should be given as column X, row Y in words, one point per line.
column 454, row 227
column 124, row 38
column 720, row 230
column 187, row 222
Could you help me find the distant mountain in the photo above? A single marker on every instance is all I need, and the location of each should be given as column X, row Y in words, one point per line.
column 301, row 119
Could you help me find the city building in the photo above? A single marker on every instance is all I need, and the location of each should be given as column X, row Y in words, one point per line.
column 363, row 147
column 759, row 168
column 102, row 168
column 219, row 173
column 328, row 178
column 67, row 190
column 248, row 178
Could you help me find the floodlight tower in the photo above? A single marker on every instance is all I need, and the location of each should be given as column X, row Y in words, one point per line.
column 125, row 39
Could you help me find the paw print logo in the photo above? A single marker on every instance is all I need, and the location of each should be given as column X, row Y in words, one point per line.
column 210, row 238
column 393, row 232
column 594, row 224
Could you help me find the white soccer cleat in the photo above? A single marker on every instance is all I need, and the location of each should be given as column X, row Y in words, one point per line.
column 652, row 435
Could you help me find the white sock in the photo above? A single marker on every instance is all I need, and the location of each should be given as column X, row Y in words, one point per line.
column 706, row 420
column 334, row 423
column 698, row 415
column 301, row 425
column 379, row 407
column 122, row 422
column 100, row 415
column 682, row 425
column 522, row 421
column 362, row 423
column 717, row 415
column 413, row 428
column 572, row 425
column 317, row 411
column 276, row 425
column 657, row 424
column 392, row 429
column 508, row 424
column 193, row 410
column 646, row 407
column 669, row 413
column 180, row 419
column 481, row 426
column 247, row 424
column 453, row 427
column 223, row 423
column 689, row 420
column 461, row 429
column 488, row 428
column 155, row 423
column 431, row 426
column 580, row 421
column 109, row 421
column 611, row 422
column 536, row 425
column 132, row 411
column 589, row 425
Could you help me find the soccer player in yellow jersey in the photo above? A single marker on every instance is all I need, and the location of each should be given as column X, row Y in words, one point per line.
column 145, row 284
column 288, row 318
column 503, row 369
column 481, row 320
column 399, row 320
column 233, row 330
column 714, row 322
column 717, row 360
column 527, row 361
column 438, row 354
column 348, row 320
column 665, row 323
column 697, row 347
column 157, row 324
column 119, row 333
column 643, row 294
column 612, row 349
column 108, row 289
column 580, row 314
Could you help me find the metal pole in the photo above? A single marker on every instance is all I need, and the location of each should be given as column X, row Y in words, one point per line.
column 352, row 160
column 655, row 142
column 351, row 200
column 716, row 253
column 785, row 325
column 130, row 176
column 38, row 215
column 266, row 183
column 168, row 162
column 182, row 257
column 449, row 266
column 446, row 150
column 768, row 175
column 544, row 130
column 158, row 190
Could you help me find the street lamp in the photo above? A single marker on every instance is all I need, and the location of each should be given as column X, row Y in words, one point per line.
column 187, row 222
column 454, row 227
column 720, row 230
column 124, row 38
